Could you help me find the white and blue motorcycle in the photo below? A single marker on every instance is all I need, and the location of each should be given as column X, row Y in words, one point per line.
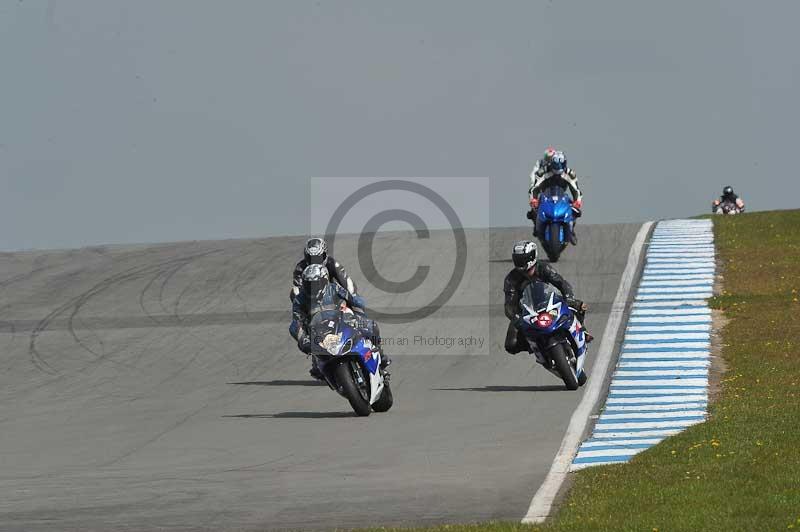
column 350, row 362
column 554, row 333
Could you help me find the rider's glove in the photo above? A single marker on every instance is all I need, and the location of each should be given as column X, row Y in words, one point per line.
column 534, row 203
column 359, row 304
column 577, row 304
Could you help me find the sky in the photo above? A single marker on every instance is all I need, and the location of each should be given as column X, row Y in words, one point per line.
column 152, row 121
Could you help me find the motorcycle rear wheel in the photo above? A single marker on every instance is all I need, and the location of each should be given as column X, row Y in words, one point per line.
column 558, row 353
column 346, row 381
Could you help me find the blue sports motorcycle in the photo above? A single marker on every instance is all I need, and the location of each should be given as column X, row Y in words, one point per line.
column 349, row 361
column 554, row 221
column 554, row 333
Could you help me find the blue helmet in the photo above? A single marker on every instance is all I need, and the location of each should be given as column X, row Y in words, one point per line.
column 558, row 163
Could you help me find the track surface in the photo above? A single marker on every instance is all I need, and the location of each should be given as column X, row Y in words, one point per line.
column 155, row 386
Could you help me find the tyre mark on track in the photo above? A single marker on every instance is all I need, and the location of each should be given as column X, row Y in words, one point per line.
column 176, row 315
column 241, row 280
column 132, row 273
column 242, row 318
column 143, row 293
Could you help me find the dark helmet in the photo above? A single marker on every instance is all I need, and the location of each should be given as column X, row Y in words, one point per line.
column 315, row 280
column 558, row 163
column 525, row 255
column 316, row 251
column 727, row 191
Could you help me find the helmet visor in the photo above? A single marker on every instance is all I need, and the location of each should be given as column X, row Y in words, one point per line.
column 524, row 262
column 313, row 287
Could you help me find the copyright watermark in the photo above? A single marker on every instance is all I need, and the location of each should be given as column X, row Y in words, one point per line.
column 415, row 247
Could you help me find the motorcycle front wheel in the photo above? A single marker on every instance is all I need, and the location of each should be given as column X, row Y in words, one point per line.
column 554, row 246
column 385, row 401
column 356, row 394
column 558, row 354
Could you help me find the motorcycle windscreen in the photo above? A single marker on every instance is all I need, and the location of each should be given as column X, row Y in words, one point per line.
column 555, row 192
column 538, row 296
column 556, row 204
column 323, row 325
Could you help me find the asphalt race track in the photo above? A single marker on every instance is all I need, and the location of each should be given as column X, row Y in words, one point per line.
column 155, row 386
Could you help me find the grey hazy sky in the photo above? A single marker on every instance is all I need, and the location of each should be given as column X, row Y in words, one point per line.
column 153, row 121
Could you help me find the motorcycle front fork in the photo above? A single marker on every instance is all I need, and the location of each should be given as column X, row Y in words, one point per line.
column 537, row 229
column 544, row 361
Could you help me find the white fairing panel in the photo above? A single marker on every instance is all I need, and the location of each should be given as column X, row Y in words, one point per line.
column 576, row 329
column 375, row 378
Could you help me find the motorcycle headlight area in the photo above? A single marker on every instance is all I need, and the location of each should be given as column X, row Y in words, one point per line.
column 545, row 318
column 333, row 344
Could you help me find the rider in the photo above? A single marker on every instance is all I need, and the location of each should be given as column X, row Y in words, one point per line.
column 318, row 293
column 552, row 170
column 728, row 196
column 316, row 252
column 528, row 269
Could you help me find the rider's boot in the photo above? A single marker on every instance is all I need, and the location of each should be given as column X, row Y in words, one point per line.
column 573, row 238
column 385, row 360
column 385, row 363
column 538, row 355
column 315, row 371
column 588, row 337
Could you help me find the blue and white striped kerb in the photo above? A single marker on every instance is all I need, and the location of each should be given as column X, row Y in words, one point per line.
column 660, row 385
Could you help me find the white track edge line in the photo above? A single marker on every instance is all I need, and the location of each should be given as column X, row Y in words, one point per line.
column 542, row 501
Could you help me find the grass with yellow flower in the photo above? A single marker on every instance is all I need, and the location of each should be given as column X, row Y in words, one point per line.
column 740, row 470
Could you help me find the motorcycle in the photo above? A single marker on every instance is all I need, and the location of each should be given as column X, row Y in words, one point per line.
column 728, row 207
column 554, row 220
column 554, row 333
column 350, row 362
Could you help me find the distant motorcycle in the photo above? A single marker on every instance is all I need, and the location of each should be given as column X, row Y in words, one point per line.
column 554, row 333
column 350, row 362
column 554, row 220
column 727, row 207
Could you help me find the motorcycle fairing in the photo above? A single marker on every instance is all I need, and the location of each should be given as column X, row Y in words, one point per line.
column 555, row 207
column 351, row 342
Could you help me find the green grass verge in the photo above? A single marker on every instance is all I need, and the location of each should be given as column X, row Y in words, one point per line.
column 741, row 469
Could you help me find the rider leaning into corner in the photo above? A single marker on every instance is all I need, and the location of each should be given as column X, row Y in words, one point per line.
column 528, row 269
column 728, row 196
column 552, row 170
column 316, row 294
